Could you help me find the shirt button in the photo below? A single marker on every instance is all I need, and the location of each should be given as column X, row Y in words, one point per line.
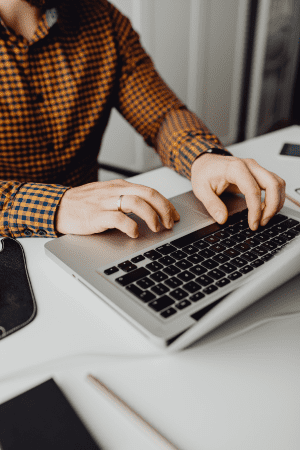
column 27, row 232
column 41, row 232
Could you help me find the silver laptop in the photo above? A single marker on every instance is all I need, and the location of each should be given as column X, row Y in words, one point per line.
column 177, row 285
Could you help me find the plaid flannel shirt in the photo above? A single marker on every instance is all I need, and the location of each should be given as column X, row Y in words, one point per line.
column 56, row 94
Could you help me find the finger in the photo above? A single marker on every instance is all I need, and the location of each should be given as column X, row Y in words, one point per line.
column 212, row 202
column 274, row 190
column 162, row 206
column 115, row 219
column 138, row 206
column 240, row 175
column 282, row 186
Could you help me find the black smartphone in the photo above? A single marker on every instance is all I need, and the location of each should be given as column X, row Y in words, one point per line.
column 290, row 150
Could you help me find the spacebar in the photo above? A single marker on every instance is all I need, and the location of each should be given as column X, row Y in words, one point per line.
column 196, row 235
column 133, row 276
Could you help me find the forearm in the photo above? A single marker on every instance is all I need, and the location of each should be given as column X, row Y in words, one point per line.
column 28, row 209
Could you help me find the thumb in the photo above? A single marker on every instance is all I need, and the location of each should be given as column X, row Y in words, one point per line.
column 214, row 205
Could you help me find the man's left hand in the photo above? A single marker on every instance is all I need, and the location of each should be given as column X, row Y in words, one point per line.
column 213, row 174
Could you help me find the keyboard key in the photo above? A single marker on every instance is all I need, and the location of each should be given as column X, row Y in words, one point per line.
column 250, row 256
column 111, row 270
column 249, row 233
column 183, row 304
column 196, row 297
column 178, row 255
column 198, row 270
column 195, row 259
column 212, row 239
column 166, row 249
column 239, row 262
column 246, row 269
column 134, row 290
column 186, row 276
column 204, row 280
column 281, row 227
column 253, row 242
column 262, row 237
column 227, row 267
column 234, row 276
column 242, row 247
column 222, row 234
column 240, row 237
column 221, row 258
column 260, row 250
column 160, row 289
column 196, row 235
column 257, row 263
column 267, row 257
column 183, row 264
column 279, row 241
column 146, row 296
column 190, row 249
column 228, row 242
column 272, row 232
column 210, row 289
column 201, row 245
column 216, row 274
column 167, row 260
column 179, row 294
column 192, row 287
column 218, row 248
column 171, row 270
column 154, row 266
column 223, row 282
column 292, row 222
column 210, row 264
column 206, row 253
column 145, row 283
column 231, row 252
column 269, row 245
column 168, row 313
column 289, row 235
column 173, row 282
column 124, row 264
column 129, row 268
column 158, row 276
column 137, row 259
column 153, row 255
column 133, row 276
column 162, row 303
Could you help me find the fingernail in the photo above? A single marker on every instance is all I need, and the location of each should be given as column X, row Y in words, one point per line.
column 265, row 221
column 219, row 217
column 171, row 223
column 158, row 227
column 256, row 224
column 177, row 216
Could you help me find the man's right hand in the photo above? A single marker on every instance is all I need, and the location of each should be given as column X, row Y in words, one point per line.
column 93, row 208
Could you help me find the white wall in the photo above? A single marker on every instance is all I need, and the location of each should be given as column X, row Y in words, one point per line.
column 198, row 48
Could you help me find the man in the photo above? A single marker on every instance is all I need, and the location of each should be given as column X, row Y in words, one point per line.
column 64, row 65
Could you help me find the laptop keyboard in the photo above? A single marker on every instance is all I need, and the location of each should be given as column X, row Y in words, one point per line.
column 172, row 277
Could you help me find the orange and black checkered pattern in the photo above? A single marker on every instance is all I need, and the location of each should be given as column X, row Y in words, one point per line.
column 56, row 94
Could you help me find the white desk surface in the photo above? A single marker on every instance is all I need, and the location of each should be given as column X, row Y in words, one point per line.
column 228, row 392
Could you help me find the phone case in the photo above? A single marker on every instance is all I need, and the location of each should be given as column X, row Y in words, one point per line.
column 17, row 303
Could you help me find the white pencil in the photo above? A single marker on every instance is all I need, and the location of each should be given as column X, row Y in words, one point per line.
column 137, row 418
column 292, row 200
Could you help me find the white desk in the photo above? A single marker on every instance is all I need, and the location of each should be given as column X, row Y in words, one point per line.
column 228, row 392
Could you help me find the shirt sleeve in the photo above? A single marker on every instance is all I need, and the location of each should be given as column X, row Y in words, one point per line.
column 28, row 209
column 152, row 108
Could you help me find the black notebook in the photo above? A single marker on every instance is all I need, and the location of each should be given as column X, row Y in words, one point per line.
column 42, row 419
